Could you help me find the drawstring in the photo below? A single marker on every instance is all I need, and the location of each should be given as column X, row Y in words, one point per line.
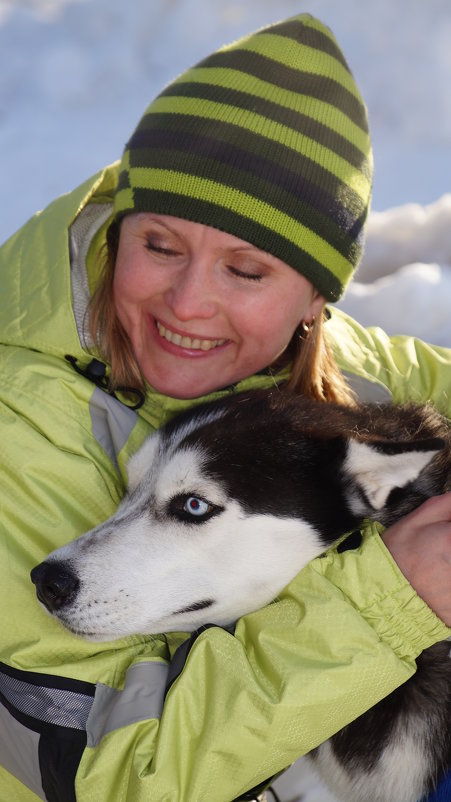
column 96, row 373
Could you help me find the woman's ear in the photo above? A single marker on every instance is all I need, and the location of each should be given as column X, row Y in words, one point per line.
column 316, row 307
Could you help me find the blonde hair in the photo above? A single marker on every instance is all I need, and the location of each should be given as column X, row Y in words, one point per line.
column 313, row 370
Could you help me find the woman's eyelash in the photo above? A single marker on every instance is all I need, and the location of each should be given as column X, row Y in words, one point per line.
column 244, row 274
column 163, row 250
column 152, row 246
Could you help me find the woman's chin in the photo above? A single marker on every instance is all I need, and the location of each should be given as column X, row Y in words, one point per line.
column 184, row 391
column 187, row 376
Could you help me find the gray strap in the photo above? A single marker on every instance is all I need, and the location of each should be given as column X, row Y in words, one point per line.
column 112, row 422
column 142, row 698
column 64, row 708
column 19, row 752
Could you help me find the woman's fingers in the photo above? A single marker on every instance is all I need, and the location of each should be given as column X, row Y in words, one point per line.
column 420, row 543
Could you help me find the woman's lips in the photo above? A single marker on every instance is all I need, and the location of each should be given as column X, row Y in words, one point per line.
column 183, row 341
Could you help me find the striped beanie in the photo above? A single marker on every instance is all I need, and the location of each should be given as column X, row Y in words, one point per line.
column 266, row 139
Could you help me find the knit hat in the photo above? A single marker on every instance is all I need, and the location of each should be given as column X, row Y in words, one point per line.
column 266, row 139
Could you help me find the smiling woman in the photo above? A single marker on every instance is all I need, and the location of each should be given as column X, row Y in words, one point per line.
column 201, row 306
column 216, row 281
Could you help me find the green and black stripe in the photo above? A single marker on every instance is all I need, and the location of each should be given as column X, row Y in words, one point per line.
column 267, row 139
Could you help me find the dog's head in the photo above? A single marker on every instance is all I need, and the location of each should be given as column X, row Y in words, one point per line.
column 227, row 503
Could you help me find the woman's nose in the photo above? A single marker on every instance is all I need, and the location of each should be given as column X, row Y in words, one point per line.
column 193, row 294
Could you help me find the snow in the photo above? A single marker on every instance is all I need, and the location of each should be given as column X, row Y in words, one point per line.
column 404, row 282
column 76, row 75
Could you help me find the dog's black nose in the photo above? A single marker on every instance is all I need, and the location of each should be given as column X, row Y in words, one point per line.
column 55, row 584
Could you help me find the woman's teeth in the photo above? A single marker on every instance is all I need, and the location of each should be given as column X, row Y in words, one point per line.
column 187, row 342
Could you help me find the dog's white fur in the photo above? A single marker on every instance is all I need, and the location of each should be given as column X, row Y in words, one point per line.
column 397, row 777
column 141, row 567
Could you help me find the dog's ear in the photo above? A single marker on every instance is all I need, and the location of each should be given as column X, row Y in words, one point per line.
column 378, row 467
column 141, row 462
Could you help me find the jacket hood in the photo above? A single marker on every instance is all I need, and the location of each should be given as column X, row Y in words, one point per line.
column 47, row 279
column 37, row 304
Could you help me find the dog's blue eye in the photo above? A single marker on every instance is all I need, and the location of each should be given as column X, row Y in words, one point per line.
column 192, row 509
column 196, row 506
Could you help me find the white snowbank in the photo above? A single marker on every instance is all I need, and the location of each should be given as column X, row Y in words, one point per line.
column 406, row 234
column 76, row 75
column 404, row 282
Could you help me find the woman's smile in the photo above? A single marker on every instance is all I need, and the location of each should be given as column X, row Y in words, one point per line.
column 187, row 342
column 202, row 308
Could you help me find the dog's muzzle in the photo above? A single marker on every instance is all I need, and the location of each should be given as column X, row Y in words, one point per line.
column 56, row 585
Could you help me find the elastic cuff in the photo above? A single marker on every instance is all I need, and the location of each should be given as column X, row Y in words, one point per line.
column 373, row 583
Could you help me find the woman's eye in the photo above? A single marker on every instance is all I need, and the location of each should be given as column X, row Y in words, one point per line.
column 251, row 275
column 161, row 248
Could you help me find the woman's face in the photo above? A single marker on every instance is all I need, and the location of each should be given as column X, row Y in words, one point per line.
column 202, row 308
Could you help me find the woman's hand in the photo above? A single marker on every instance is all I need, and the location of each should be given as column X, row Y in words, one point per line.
column 420, row 543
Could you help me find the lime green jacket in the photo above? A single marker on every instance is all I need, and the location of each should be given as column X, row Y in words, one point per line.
column 240, row 707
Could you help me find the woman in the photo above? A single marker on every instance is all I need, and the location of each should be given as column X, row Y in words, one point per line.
column 200, row 267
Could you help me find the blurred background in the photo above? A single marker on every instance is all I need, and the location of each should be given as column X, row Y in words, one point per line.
column 76, row 76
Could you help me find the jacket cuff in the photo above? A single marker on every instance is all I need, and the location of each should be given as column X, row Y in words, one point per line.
column 372, row 582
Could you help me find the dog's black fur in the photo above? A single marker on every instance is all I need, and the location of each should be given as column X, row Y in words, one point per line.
column 426, row 697
column 311, row 443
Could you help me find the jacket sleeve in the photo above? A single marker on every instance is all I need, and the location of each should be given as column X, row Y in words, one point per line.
column 417, row 371
column 412, row 370
column 342, row 635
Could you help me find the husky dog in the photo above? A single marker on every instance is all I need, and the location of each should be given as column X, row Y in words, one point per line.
column 224, row 506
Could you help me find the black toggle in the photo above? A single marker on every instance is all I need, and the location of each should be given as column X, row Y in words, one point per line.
column 96, row 373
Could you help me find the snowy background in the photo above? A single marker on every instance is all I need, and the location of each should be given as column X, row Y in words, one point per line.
column 76, row 75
